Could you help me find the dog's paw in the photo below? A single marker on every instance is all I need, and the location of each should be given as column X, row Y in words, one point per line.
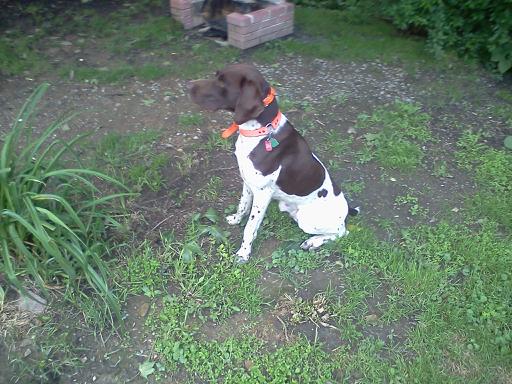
column 242, row 257
column 316, row 242
column 233, row 219
column 309, row 245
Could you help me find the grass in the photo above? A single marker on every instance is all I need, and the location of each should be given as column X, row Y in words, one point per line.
column 492, row 172
column 395, row 136
column 132, row 159
column 53, row 218
column 337, row 35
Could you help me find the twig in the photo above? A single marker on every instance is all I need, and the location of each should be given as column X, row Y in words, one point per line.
column 284, row 327
column 160, row 223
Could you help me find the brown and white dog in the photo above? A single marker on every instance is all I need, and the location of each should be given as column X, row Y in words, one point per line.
column 274, row 159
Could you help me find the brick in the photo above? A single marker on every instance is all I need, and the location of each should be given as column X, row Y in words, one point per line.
column 260, row 15
column 289, row 7
column 239, row 19
column 277, row 10
column 243, row 44
column 181, row 4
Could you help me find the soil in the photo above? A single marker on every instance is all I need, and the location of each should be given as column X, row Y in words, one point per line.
column 121, row 108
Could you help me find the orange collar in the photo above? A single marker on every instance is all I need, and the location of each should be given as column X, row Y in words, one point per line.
column 266, row 102
column 263, row 131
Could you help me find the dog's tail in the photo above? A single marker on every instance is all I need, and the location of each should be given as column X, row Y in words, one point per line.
column 353, row 211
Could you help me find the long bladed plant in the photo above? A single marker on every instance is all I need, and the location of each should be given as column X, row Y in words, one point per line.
column 53, row 216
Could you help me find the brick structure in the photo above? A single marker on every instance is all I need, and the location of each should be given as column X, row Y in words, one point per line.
column 187, row 12
column 250, row 29
column 244, row 30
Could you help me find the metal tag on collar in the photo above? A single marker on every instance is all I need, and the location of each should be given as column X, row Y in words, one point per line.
column 271, row 142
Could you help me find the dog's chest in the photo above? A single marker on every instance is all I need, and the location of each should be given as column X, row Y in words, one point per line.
column 252, row 176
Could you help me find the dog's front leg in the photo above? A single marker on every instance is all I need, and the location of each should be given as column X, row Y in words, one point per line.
column 260, row 203
column 243, row 206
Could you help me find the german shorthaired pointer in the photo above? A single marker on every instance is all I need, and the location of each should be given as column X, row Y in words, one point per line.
column 274, row 159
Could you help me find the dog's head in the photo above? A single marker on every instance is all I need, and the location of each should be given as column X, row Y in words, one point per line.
column 239, row 88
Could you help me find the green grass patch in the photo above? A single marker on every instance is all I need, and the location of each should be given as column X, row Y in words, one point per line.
column 492, row 169
column 152, row 33
column 116, row 74
column 333, row 34
column 296, row 261
column 395, row 135
column 279, row 225
column 18, row 55
column 190, row 119
column 446, row 269
column 132, row 158
column 143, row 273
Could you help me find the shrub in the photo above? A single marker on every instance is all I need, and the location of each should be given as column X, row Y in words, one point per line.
column 52, row 218
column 480, row 29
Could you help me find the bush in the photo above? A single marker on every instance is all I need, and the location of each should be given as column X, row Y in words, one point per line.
column 52, row 218
column 479, row 29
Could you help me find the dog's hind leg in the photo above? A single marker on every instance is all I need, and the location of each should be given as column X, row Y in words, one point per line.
column 243, row 207
column 317, row 241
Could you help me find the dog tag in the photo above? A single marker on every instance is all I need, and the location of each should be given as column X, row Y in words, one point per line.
column 274, row 142
column 268, row 146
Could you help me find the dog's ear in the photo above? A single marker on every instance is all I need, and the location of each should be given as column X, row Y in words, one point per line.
column 249, row 104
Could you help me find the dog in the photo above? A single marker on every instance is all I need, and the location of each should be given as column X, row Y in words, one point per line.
column 274, row 160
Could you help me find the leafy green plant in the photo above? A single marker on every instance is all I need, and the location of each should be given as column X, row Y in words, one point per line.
column 143, row 272
column 52, row 219
column 459, row 25
column 412, row 202
column 296, row 260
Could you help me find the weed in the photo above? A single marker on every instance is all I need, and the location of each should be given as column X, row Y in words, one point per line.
column 441, row 169
column 296, row 261
column 415, row 209
column 338, row 98
column 469, row 149
column 211, row 190
column 361, row 284
column 505, row 95
column 185, row 163
column 143, row 272
column 299, row 362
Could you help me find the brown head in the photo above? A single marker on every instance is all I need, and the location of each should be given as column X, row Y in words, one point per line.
column 239, row 88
